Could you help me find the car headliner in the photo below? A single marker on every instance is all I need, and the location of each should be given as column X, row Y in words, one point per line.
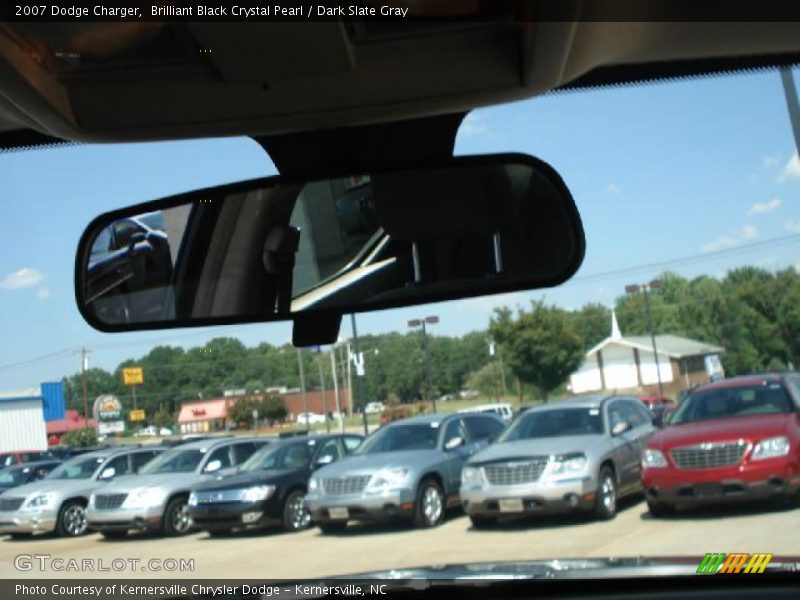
column 283, row 77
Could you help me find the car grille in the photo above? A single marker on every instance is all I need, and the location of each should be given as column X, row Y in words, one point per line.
column 709, row 455
column 515, row 473
column 11, row 503
column 219, row 497
column 341, row 486
column 107, row 501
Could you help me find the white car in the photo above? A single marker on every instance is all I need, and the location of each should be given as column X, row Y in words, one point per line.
column 152, row 431
column 374, row 407
column 310, row 418
column 501, row 409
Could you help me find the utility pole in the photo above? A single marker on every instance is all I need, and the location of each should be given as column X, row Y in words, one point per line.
column 425, row 369
column 324, row 391
column 646, row 288
column 303, row 384
column 334, row 368
column 359, row 397
column 85, row 367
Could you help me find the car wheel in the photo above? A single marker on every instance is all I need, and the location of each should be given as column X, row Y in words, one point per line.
column 72, row 519
column 332, row 527
column 114, row 535
column 176, row 518
column 660, row 509
column 479, row 522
column 295, row 513
column 605, row 507
column 429, row 507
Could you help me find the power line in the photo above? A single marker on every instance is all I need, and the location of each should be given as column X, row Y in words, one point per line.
column 30, row 361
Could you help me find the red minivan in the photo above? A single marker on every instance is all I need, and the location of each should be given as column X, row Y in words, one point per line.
column 736, row 439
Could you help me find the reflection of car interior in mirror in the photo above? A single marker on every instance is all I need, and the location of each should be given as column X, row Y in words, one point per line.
column 268, row 248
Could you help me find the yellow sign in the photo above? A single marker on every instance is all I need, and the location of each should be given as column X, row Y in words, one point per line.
column 133, row 376
column 136, row 414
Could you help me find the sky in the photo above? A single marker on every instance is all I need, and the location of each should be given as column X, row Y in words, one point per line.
column 697, row 177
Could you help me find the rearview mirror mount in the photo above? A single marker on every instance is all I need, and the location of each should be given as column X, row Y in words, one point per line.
column 310, row 251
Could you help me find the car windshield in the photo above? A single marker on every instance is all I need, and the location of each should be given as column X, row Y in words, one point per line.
column 174, row 461
column 554, row 423
column 688, row 192
column 77, row 468
column 727, row 402
column 289, row 456
column 12, row 475
column 400, row 437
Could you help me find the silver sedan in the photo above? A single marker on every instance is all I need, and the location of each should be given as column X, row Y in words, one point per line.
column 579, row 454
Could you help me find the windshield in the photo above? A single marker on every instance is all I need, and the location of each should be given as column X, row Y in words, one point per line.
column 12, row 475
column 174, row 461
column 77, row 468
column 733, row 402
column 400, row 437
column 554, row 423
column 689, row 196
column 291, row 456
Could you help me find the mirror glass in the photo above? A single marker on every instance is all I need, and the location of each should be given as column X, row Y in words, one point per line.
column 108, row 473
column 214, row 465
column 454, row 443
column 620, row 428
column 269, row 249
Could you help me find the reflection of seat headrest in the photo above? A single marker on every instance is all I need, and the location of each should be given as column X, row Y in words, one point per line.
column 451, row 203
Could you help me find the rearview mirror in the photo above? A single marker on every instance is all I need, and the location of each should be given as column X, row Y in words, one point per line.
column 323, row 460
column 272, row 249
column 620, row 428
column 108, row 473
column 454, row 442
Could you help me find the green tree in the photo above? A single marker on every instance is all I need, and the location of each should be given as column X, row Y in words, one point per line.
column 540, row 346
column 488, row 380
column 593, row 324
column 242, row 411
column 80, row 438
column 272, row 408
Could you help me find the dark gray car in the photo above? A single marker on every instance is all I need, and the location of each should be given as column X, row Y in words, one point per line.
column 410, row 469
column 579, row 454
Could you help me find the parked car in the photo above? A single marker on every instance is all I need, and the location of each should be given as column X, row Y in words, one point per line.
column 270, row 488
column 374, row 408
column 58, row 502
column 156, row 500
column 22, row 456
column 501, row 409
column 735, row 439
column 661, row 407
column 410, row 469
column 16, row 475
column 64, row 453
column 153, row 431
column 310, row 418
column 578, row 454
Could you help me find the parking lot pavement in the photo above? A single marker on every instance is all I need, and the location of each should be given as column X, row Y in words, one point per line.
column 364, row 548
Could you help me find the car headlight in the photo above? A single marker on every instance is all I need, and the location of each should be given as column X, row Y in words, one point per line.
column 40, row 501
column 192, row 499
column 771, row 448
column 257, row 493
column 313, row 485
column 568, row 464
column 387, row 479
column 144, row 498
column 471, row 476
column 653, row 459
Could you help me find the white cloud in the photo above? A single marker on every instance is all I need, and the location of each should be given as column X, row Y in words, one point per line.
column 793, row 226
column 612, row 188
column 732, row 240
column 768, row 162
column 43, row 293
column 472, row 125
column 761, row 208
column 791, row 171
column 24, row 278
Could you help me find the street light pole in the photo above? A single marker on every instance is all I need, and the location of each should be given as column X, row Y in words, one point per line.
column 646, row 288
column 425, row 367
column 359, row 397
column 303, row 384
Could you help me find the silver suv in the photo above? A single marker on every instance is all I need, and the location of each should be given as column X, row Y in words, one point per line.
column 58, row 502
column 156, row 500
column 570, row 455
column 408, row 469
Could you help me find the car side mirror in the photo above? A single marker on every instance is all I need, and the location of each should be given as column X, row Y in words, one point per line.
column 620, row 428
column 323, row 460
column 108, row 473
column 454, row 442
column 213, row 466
